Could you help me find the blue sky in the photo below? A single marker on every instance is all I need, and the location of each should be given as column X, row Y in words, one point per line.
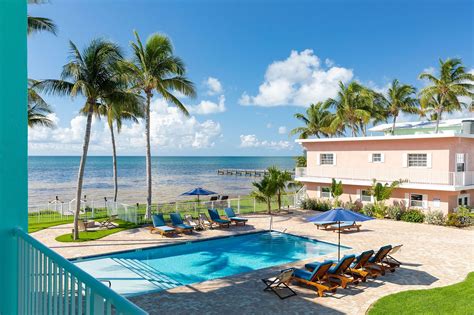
column 255, row 64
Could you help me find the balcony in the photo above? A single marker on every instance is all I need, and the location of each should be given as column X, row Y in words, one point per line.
column 412, row 176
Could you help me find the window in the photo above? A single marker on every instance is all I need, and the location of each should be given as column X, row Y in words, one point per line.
column 463, row 200
column 325, row 192
column 417, row 160
column 327, row 158
column 365, row 196
column 376, row 157
column 416, row 200
column 460, row 164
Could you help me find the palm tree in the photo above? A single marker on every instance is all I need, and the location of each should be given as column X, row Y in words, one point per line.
column 266, row 189
column 316, row 122
column 89, row 73
column 38, row 109
column 336, row 191
column 399, row 99
column 155, row 68
column 38, row 24
column 282, row 180
column 353, row 108
column 444, row 92
column 382, row 192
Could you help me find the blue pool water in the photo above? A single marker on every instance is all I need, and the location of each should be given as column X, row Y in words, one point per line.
column 162, row 268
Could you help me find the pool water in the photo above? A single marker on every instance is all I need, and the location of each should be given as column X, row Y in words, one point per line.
column 165, row 267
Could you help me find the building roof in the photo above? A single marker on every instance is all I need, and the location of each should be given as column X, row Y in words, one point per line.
column 420, row 124
column 389, row 137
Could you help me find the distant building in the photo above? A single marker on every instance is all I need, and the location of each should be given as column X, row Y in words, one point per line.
column 437, row 169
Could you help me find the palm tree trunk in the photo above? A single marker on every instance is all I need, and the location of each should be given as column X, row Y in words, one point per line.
column 114, row 161
column 279, row 199
column 269, row 205
column 80, row 176
column 148, row 155
column 393, row 125
column 438, row 118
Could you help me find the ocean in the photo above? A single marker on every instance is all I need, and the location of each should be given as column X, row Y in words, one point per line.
column 51, row 176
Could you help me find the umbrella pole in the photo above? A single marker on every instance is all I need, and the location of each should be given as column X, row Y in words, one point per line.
column 339, row 242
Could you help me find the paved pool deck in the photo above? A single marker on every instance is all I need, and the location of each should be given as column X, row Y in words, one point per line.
column 432, row 256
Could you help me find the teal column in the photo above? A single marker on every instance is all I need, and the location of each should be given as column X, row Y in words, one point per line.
column 13, row 146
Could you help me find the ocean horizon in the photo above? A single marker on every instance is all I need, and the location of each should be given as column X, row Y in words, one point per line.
column 51, row 176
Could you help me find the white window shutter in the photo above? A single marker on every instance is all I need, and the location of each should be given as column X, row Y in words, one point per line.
column 318, row 191
column 382, row 157
column 359, row 195
column 318, row 158
column 405, row 160
column 425, row 202
column 334, row 159
column 407, row 200
column 428, row 160
column 370, row 157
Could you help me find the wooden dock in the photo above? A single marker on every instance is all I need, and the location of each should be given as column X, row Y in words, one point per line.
column 245, row 172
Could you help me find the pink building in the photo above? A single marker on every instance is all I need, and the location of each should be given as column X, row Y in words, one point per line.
column 437, row 169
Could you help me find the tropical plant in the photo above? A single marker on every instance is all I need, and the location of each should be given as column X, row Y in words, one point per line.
column 354, row 108
column 413, row 215
column 38, row 109
column 89, row 73
column 336, row 191
column 301, row 161
column 282, row 179
column 382, row 192
column 155, row 68
column 444, row 92
column 316, row 204
column 394, row 212
column 398, row 99
column 38, row 24
column 435, row 217
column 369, row 210
column 316, row 122
column 266, row 189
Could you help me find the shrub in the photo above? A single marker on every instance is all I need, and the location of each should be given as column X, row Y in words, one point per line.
column 413, row 215
column 380, row 210
column 394, row 212
column 368, row 210
column 354, row 206
column 462, row 217
column 434, row 217
column 315, row 204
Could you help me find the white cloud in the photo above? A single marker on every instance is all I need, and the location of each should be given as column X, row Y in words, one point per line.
column 251, row 141
column 282, row 130
column 214, row 86
column 208, row 107
column 298, row 80
column 170, row 131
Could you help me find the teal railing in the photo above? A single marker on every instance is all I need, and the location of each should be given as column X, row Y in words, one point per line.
column 50, row 284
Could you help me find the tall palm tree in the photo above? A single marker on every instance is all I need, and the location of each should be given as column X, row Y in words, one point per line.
column 443, row 93
column 398, row 99
column 38, row 24
column 155, row 68
column 353, row 108
column 265, row 190
column 282, row 179
column 89, row 73
column 316, row 122
column 38, row 109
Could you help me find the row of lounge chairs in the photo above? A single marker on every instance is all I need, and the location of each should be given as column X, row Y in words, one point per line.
column 328, row 276
column 189, row 224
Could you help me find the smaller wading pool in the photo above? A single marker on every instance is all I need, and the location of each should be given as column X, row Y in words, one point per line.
column 165, row 267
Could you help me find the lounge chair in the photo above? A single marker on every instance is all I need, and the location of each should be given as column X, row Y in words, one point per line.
column 232, row 217
column 178, row 223
column 389, row 258
column 216, row 218
column 344, row 226
column 324, row 224
column 204, row 221
column 188, row 219
column 280, row 281
column 338, row 271
column 357, row 268
column 376, row 262
column 108, row 222
column 317, row 278
column 160, row 225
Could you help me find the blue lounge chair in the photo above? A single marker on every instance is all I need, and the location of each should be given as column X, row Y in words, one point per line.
column 178, row 223
column 376, row 262
column 160, row 225
column 358, row 267
column 232, row 217
column 338, row 271
column 317, row 277
column 216, row 218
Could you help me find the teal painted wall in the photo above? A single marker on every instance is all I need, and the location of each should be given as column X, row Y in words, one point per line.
column 13, row 145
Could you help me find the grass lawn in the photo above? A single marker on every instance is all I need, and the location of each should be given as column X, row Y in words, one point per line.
column 37, row 226
column 95, row 235
column 453, row 299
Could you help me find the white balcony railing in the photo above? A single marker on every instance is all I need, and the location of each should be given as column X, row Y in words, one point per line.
column 414, row 176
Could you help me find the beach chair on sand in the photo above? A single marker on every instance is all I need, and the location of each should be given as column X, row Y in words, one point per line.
column 178, row 223
column 160, row 225
column 216, row 218
column 337, row 272
column 317, row 278
column 279, row 283
column 233, row 217
column 204, row 221
column 324, row 224
column 377, row 263
column 357, row 268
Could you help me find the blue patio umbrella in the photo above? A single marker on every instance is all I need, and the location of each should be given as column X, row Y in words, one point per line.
column 338, row 215
column 198, row 192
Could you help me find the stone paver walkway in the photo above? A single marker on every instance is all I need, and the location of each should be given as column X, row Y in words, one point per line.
column 432, row 256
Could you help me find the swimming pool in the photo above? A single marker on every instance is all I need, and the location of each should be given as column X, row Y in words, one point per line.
column 165, row 267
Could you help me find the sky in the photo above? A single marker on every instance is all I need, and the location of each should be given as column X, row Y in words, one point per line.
column 254, row 63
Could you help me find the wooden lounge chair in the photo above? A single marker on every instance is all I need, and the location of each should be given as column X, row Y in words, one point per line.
column 188, row 219
column 358, row 268
column 317, row 278
column 178, row 223
column 204, row 221
column 324, row 224
column 160, row 225
column 337, row 272
column 232, row 217
column 108, row 222
column 344, row 226
column 216, row 218
column 275, row 284
column 389, row 258
column 377, row 263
